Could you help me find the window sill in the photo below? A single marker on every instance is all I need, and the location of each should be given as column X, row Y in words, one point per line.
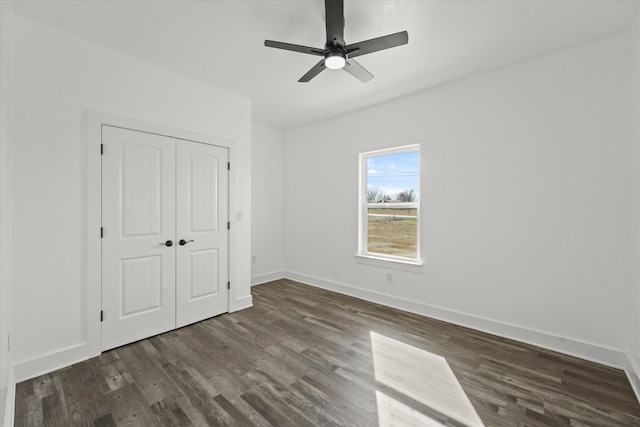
column 411, row 266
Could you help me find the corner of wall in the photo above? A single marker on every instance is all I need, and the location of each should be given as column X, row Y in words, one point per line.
column 9, row 402
column 267, row 201
column 7, row 383
column 632, row 369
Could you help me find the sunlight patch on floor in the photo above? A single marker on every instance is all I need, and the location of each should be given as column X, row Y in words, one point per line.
column 391, row 412
column 423, row 377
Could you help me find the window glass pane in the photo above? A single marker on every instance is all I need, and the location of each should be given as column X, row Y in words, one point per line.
column 393, row 181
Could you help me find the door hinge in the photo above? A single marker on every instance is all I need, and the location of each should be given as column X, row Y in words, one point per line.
column 101, row 232
column 228, row 226
column 228, row 285
column 101, row 148
column 101, row 315
column 228, row 166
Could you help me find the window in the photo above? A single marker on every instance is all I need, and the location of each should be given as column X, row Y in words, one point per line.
column 390, row 204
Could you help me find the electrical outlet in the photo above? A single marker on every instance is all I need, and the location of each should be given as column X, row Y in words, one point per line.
column 389, row 277
column 253, row 259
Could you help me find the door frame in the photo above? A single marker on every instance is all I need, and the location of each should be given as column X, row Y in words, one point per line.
column 93, row 209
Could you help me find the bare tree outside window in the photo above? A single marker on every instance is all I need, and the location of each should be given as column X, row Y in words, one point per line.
column 406, row 196
column 373, row 194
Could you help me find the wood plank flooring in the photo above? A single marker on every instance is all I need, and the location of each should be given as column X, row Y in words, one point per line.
column 303, row 356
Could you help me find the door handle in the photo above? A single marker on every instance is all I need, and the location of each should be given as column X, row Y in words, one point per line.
column 183, row 242
column 167, row 243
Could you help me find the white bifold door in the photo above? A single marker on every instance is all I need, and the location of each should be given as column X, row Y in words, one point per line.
column 165, row 234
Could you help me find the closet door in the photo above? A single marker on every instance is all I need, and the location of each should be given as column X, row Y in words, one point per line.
column 139, row 223
column 202, row 214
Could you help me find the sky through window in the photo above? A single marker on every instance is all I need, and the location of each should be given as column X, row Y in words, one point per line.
column 394, row 173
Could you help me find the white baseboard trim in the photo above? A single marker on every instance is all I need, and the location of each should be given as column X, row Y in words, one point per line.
column 632, row 369
column 592, row 352
column 10, row 401
column 55, row 360
column 268, row 277
column 242, row 303
column 50, row 362
column 58, row 359
column 615, row 358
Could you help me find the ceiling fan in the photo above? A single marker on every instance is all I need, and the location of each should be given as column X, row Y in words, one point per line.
column 336, row 53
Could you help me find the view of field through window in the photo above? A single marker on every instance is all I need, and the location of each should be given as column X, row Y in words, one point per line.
column 393, row 192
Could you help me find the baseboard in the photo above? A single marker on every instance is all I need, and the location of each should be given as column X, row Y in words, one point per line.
column 50, row 362
column 242, row 303
column 633, row 373
column 10, row 401
column 269, row 277
column 55, row 360
column 58, row 359
column 592, row 352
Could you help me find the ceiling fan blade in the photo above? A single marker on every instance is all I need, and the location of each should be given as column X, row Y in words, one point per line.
column 294, row 47
column 357, row 70
column 334, row 11
column 374, row 45
column 317, row 69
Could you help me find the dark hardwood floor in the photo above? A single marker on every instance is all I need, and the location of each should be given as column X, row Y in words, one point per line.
column 303, row 356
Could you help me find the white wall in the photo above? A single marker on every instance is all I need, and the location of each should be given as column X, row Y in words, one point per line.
column 527, row 172
column 634, row 300
column 57, row 78
column 6, row 97
column 267, row 191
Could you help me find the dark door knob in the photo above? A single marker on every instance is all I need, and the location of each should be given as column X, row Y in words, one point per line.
column 183, row 242
column 167, row 243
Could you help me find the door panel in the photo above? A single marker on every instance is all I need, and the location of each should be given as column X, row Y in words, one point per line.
column 140, row 285
column 202, row 215
column 203, row 268
column 140, row 179
column 138, row 215
column 203, row 180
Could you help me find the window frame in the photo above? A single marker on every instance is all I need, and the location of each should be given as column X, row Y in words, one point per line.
column 364, row 205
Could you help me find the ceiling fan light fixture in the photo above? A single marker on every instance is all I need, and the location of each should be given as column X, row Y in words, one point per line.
column 335, row 60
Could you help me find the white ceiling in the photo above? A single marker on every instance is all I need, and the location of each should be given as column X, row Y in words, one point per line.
column 221, row 43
